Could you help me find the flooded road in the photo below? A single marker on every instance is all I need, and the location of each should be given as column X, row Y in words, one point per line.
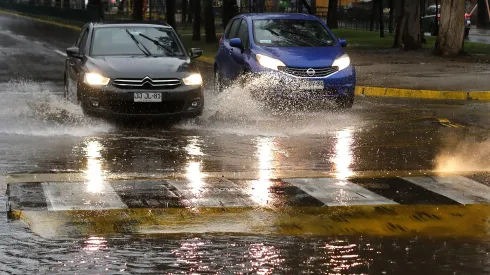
column 408, row 182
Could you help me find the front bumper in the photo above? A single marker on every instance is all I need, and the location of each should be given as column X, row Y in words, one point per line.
column 279, row 85
column 115, row 102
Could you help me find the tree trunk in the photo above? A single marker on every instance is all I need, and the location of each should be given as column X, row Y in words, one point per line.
column 170, row 7
column 332, row 21
column 196, row 30
column 306, row 5
column 209, row 24
column 227, row 12
column 411, row 36
column 190, row 11
column 381, row 20
column 373, row 15
column 451, row 31
column 184, row 11
column 482, row 14
column 400, row 23
column 422, row 10
column 392, row 15
column 137, row 10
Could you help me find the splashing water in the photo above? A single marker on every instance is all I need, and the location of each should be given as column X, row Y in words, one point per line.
column 34, row 109
column 236, row 111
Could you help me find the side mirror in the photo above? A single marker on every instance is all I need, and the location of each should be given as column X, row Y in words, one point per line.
column 236, row 43
column 73, row 52
column 343, row 42
column 195, row 53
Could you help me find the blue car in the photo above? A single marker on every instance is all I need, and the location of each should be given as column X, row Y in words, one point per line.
column 296, row 57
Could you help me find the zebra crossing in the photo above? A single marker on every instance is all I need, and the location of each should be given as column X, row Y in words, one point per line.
column 322, row 206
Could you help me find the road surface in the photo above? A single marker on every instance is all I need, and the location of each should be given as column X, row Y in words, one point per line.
column 391, row 186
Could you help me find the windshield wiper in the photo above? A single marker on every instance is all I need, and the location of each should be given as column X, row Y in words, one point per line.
column 288, row 39
column 309, row 37
column 156, row 42
column 139, row 44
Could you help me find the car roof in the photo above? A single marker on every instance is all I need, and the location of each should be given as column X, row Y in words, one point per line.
column 294, row 16
column 130, row 23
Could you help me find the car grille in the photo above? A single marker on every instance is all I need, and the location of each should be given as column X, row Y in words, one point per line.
column 138, row 108
column 147, row 83
column 303, row 72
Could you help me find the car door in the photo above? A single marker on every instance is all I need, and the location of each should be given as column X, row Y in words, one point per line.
column 226, row 65
column 74, row 65
column 429, row 13
column 239, row 57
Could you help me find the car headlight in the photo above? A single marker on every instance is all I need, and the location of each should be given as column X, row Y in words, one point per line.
column 342, row 62
column 269, row 62
column 194, row 79
column 95, row 79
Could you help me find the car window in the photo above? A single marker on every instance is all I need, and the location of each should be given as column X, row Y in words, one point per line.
column 291, row 33
column 428, row 11
column 117, row 41
column 243, row 33
column 234, row 29
column 83, row 41
column 228, row 28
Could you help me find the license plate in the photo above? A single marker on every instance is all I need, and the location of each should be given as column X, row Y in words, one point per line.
column 312, row 85
column 147, row 97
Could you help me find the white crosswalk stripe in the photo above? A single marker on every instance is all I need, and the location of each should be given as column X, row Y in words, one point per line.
column 457, row 188
column 63, row 196
column 333, row 192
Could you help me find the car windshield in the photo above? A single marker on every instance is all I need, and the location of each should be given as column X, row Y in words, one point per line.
column 154, row 41
column 291, row 33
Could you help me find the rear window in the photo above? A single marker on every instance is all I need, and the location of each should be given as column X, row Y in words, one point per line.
column 291, row 33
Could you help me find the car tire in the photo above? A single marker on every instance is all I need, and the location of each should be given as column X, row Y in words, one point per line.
column 344, row 102
column 218, row 85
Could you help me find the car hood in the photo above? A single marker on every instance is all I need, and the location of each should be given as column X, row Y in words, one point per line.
column 139, row 67
column 303, row 56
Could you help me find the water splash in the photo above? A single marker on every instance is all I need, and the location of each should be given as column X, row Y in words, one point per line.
column 236, row 111
column 34, row 109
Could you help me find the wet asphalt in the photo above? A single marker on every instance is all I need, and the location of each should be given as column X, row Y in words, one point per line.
column 40, row 133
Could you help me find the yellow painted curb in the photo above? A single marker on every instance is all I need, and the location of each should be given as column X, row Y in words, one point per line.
column 12, row 13
column 426, row 94
column 384, row 220
column 206, row 59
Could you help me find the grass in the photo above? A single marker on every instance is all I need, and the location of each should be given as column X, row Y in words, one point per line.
column 357, row 39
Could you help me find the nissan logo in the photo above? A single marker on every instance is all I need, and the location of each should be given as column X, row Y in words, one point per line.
column 310, row 72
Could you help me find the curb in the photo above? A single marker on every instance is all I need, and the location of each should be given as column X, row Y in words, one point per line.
column 41, row 20
column 422, row 94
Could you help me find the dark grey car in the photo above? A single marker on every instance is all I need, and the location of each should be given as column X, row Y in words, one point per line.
column 430, row 22
column 133, row 70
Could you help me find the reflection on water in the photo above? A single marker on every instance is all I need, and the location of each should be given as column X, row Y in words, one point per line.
column 93, row 173
column 94, row 244
column 265, row 153
column 194, row 167
column 264, row 258
column 342, row 158
column 344, row 256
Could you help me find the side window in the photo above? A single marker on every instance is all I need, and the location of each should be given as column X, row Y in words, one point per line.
column 243, row 33
column 234, row 29
column 83, row 41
